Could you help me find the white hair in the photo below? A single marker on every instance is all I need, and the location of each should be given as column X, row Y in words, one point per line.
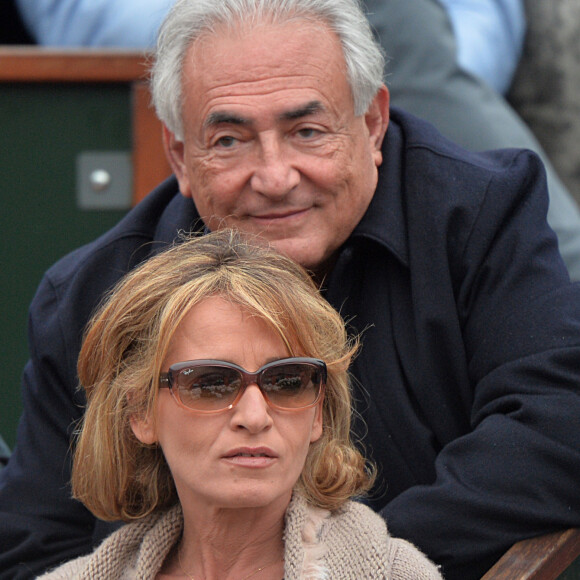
column 188, row 19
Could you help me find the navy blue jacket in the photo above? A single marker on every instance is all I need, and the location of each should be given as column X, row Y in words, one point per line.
column 467, row 386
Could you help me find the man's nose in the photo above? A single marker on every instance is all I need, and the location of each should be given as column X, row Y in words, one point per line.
column 252, row 411
column 274, row 173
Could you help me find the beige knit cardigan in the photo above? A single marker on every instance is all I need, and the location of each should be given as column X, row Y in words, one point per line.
column 349, row 544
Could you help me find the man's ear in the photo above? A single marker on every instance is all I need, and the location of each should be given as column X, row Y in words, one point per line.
column 144, row 429
column 175, row 152
column 377, row 121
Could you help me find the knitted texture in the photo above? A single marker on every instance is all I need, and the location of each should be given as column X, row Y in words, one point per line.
column 303, row 551
column 348, row 544
column 134, row 552
column 407, row 563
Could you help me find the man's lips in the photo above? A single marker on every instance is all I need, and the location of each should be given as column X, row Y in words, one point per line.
column 279, row 215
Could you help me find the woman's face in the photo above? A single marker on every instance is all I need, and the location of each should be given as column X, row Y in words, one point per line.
column 246, row 457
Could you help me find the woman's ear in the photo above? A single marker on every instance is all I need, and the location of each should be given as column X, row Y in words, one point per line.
column 144, row 429
column 316, row 432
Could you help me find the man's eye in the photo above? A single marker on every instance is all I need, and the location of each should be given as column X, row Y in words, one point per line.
column 226, row 142
column 308, row 132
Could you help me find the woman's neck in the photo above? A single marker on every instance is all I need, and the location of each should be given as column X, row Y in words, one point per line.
column 231, row 544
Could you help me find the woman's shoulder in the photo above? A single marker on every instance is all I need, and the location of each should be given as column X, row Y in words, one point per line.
column 356, row 519
column 364, row 533
column 355, row 538
column 409, row 563
column 135, row 550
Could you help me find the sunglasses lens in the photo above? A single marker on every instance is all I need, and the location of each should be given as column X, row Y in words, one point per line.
column 292, row 385
column 213, row 387
column 208, row 388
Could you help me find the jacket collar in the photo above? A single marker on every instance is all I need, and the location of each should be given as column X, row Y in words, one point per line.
column 179, row 216
column 384, row 220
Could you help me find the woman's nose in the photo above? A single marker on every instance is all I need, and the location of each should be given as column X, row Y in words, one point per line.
column 252, row 411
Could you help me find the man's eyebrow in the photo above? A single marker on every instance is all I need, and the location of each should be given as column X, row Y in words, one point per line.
column 304, row 111
column 228, row 118
column 225, row 118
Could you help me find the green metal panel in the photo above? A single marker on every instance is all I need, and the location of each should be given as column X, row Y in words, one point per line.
column 42, row 129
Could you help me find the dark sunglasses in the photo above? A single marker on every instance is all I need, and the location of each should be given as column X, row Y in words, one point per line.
column 210, row 386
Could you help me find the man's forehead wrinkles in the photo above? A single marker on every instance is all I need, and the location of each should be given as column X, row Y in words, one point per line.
column 253, row 82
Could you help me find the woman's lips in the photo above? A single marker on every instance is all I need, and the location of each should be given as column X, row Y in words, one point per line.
column 245, row 457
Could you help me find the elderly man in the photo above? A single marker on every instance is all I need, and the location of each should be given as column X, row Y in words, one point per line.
column 277, row 122
column 444, row 57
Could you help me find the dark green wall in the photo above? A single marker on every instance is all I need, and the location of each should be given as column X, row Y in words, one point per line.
column 42, row 129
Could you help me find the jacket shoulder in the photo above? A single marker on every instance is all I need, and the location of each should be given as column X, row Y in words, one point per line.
column 357, row 538
column 124, row 244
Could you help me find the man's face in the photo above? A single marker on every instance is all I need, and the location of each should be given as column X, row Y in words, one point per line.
column 271, row 144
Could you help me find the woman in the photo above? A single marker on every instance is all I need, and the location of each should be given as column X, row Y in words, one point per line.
column 217, row 424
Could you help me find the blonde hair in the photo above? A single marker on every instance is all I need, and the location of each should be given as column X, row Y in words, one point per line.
column 118, row 477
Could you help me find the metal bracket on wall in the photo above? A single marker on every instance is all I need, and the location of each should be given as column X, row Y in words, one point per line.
column 104, row 180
